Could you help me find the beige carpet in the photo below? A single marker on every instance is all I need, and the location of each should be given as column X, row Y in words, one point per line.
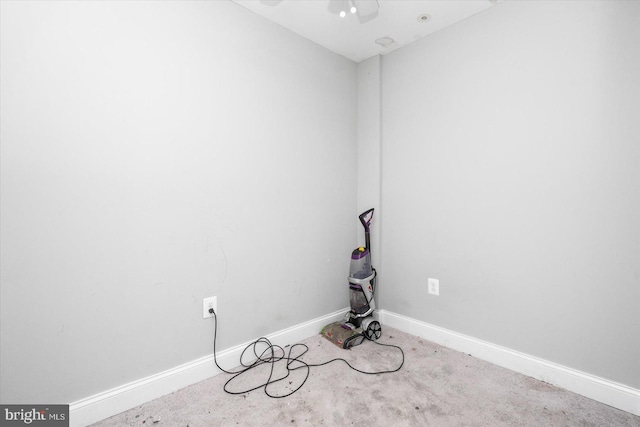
column 436, row 386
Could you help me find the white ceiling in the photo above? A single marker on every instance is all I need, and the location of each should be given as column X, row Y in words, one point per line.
column 317, row 20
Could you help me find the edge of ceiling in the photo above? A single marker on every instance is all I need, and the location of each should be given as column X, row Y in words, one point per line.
column 397, row 19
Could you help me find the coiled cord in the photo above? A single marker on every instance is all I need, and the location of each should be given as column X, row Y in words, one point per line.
column 273, row 354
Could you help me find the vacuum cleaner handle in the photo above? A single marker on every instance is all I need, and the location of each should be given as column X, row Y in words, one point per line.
column 365, row 219
column 366, row 222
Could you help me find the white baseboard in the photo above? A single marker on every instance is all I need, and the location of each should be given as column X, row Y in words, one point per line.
column 608, row 392
column 111, row 402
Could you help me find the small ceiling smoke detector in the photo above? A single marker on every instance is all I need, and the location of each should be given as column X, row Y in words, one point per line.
column 385, row 41
column 425, row 17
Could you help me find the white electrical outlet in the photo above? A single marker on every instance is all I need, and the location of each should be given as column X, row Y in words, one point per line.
column 207, row 303
column 434, row 286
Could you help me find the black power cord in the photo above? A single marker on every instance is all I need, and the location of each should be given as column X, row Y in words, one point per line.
column 273, row 354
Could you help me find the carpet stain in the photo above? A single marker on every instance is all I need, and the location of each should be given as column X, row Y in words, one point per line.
column 436, row 410
column 533, row 384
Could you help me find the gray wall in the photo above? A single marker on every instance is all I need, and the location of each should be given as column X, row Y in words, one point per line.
column 511, row 173
column 155, row 153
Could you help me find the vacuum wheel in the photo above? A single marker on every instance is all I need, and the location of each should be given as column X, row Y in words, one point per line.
column 374, row 330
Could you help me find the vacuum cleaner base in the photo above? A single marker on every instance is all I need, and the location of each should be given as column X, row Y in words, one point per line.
column 347, row 335
column 344, row 335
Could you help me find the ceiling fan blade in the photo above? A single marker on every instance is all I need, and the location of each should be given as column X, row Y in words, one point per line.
column 366, row 9
column 337, row 6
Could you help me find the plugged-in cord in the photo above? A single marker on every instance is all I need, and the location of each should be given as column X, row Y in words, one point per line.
column 274, row 353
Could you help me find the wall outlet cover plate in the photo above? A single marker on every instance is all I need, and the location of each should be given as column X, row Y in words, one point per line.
column 434, row 286
column 211, row 302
